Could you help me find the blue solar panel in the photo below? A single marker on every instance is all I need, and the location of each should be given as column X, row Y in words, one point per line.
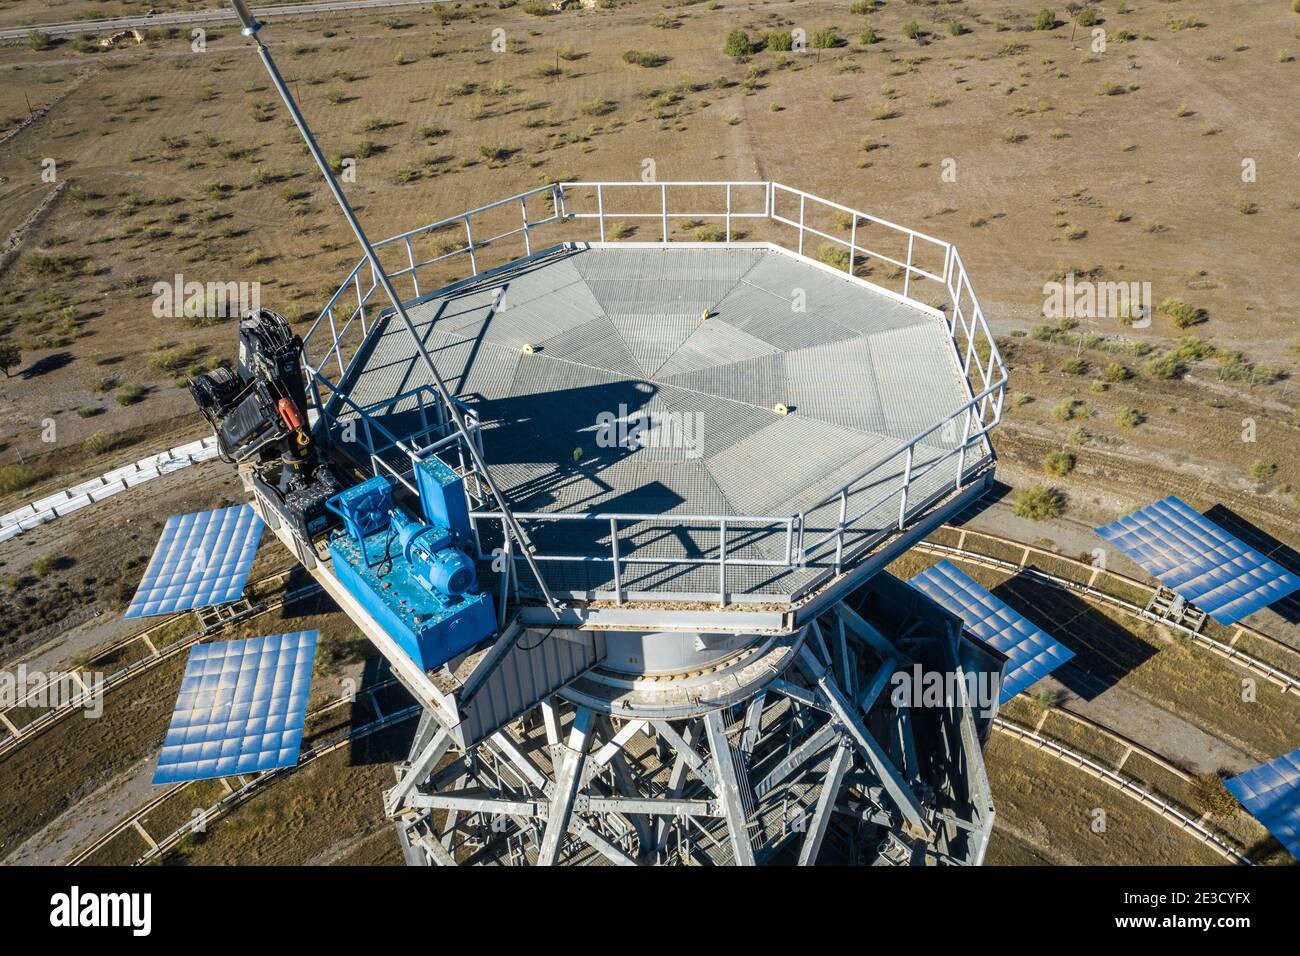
column 1198, row 560
column 1271, row 792
column 1031, row 653
column 241, row 708
column 201, row 559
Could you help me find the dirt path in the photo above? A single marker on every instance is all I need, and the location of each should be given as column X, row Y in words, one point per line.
column 88, row 819
column 1157, row 729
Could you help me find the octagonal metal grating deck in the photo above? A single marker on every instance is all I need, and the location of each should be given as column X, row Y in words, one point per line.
column 676, row 420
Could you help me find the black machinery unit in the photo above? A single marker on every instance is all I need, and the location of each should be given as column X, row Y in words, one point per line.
column 259, row 414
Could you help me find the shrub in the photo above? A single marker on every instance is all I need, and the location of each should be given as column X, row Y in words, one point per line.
column 131, row 394
column 1182, row 314
column 1045, row 20
column 98, row 443
column 1114, row 372
column 1211, row 796
column 40, row 40
column 834, row 255
column 1087, row 17
column 782, row 41
column 911, row 29
column 10, row 356
column 1129, row 418
column 646, row 58
column 1192, row 349
column 1262, row 470
column 1074, row 366
column 1165, row 366
column 868, row 36
column 494, row 152
column 826, row 38
column 15, row 477
column 1038, row 503
column 1065, row 410
column 43, row 565
column 1059, row 463
column 738, row 44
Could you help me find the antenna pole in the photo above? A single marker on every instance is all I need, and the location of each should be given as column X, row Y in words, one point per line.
column 250, row 29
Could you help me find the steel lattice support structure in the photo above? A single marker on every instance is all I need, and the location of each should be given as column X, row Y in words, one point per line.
column 817, row 765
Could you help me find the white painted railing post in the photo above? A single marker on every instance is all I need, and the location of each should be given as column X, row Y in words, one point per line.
column 728, row 212
column 410, row 257
column 853, row 242
column 965, row 439
column 722, row 562
column 613, row 548
column 907, row 480
column 663, row 207
column 600, row 210
column 801, row 220
column 469, row 237
column 523, row 209
column 839, row 530
column 361, row 302
column 907, row 276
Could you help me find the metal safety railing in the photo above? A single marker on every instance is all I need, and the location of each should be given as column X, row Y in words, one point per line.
column 547, row 218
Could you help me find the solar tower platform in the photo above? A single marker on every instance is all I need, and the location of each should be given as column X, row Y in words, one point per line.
column 704, row 455
column 739, row 383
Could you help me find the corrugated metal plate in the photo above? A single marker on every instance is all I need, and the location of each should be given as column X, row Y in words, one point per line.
column 1271, row 794
column 241, row 708
column 1198, row 560
column 1031, row 653
column 538, row 664
column 201, row 559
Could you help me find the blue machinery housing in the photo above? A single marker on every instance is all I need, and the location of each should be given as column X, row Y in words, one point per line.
column 410, row 574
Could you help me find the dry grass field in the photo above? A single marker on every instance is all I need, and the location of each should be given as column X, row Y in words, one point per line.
column 1125, row 165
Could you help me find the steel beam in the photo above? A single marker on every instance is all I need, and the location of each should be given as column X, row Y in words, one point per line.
column 476, row 804
column 651, row 807
column 893, row 782
column 568, row 774
column 419, row 769
column 812, row 840
column 687, row 752
column 810, row 748
column 729, row 784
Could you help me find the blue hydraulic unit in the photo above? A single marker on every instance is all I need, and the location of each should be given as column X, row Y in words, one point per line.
column 412, row 575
